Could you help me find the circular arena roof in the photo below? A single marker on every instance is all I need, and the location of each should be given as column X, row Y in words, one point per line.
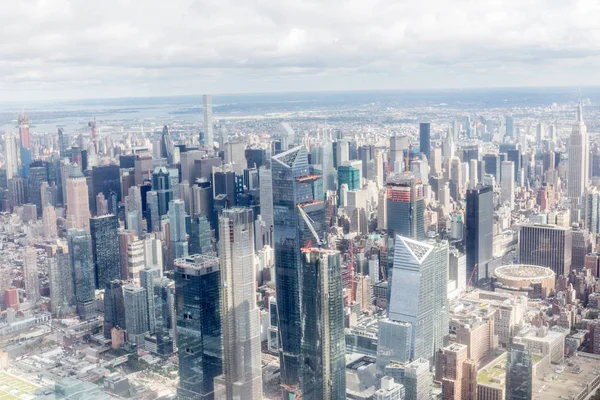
column 523, row 272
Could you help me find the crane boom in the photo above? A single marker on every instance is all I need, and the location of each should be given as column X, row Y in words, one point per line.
column 309, row 223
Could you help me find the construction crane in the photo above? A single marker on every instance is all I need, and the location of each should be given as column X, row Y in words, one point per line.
column 471, row 277
column 309, row 222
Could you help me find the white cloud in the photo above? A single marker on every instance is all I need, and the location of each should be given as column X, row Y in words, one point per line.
column 97, row 48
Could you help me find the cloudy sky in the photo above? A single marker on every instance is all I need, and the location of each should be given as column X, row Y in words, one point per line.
column 55, row 49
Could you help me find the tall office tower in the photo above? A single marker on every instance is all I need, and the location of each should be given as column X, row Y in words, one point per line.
column 78, row 205
column 324, row 157
column 106, row 179
column 38, row 174
column 114, row 307
column 161, row 184
column 242, row 376
column 148, row 276
column 125, row 238
column 425, row 139
column 547, row 246
column 105, row 248
column 514, row 155
column 101, row 205
column 519, row 373
column 418, row 293
column 82, row 265
column 582, row 245
column 153, row 251
column 540, row 132
column 298, row 194
column 510, row 126
column 25, row 148
column 198, row 309
column 342, row 152
column 287, row 136
column 350, row 176
column 164, row 315
column 393, row 342
column 266, row 196
column 136, row 313
column 225, row 183
column 579, row 149
column 456, row 179
column 208, row 122
column 166, row 145
column 30, row 275
column 507, row 182
column 417, row 380
column 49, row 221
column 152, row 215
column 398, row 145
column 479, row 237
column 592, row 210
column 178, row 234
column 235, row 155
column 491, row 165
column 200, row 239
column 62, row 144
column 60, row 278
column 133, row 210
column 473, row 173
column 17, row 191
column 323, row 370
column 405, row 206
column 549, row 159
column 11, row 155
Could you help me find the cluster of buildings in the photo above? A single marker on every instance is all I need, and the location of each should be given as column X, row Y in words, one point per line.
column 458, row 263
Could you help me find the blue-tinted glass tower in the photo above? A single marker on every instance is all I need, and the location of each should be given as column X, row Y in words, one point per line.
column 82, row 264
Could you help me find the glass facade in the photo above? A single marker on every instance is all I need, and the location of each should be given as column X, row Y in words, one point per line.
column 547, row 246
column 519, row 373
column 107, row 180
column 323, row 342
column 161, row 184
column 114, row 307
column 405, row 206
column 82, row 265
column 105, row 248
column 198, row 311
column 200, row 236
column 296, row 186
column 424, row 139
column 479, row 236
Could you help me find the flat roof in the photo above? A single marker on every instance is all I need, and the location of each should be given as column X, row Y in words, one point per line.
column 569, row 379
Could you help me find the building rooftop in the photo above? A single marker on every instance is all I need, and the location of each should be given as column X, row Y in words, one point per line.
column 575, row 378
column 197, row 261
column 523, row 272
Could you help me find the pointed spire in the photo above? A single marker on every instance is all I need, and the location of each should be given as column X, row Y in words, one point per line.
column 580, row 110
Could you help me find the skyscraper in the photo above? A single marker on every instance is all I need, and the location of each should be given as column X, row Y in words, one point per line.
column 25, row 148
column 297, row 189
column 78, row 206
column 106, row 179
column 38, row 174
column 105, row 247
column 49, row 221
column 166, row 147
column 418, row 293
column 82, row 265
column 417, row 381
column 519, row 373
column 30, row 274
column 323, row 341
column 425, row 139
column 241, row 317
column 62, row 144
column 11, row 155
column 161, row 184
column 547, row 246
column 578, row 159
column 507, row 181
column 457, row 374
column 135, row 299
column 208, row 122
column 405, row 206
column 114, row 307
column 198, row 309
column 479, row 237
column 177, row 231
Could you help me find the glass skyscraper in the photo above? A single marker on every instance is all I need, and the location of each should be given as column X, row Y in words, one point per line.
column 105, row 248
column 479, row 236
column 424, row 139
column 82, row 265
column 323, row 342
column 405, row 206
column 198, row 310
column 519, row 373
column 114, row 307
column 296, row 187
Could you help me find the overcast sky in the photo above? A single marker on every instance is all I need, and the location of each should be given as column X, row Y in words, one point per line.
column 54, row 49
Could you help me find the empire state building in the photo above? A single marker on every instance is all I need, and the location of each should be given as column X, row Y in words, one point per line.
column 579, row 155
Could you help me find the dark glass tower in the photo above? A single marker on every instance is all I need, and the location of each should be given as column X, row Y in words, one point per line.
column 323, row 342
column 198, row 310
column 519, row 373
column 161, row 184
column 295, row 187
column 405, row 206
column 479, row 235
column 105, row 247
column 424, row 139
column 62, row 145
column 114, row 307
column 38, row 174
column 82, row 264
column 107, row 180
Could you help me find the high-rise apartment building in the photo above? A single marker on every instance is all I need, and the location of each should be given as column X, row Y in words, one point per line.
column 135, row 299
column 242, row 365
column 49, row 222
column 519, row 373
column 405, row 206
column 547, row 246
column 199, row 341
column 82, row 265
column 208, row 121
column 507, row 182
column 299, row 192
column 455, row 371
column 30, row 274
column 105, row 247
column 479, row 237
column 323, row 342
